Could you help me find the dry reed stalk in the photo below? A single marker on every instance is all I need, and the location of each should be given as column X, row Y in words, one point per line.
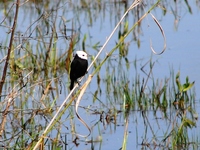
column 2, row 125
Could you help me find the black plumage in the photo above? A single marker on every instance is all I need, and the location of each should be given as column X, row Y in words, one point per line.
column 78, row 67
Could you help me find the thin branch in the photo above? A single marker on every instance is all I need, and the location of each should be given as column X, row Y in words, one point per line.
column 135, row 3
column 7, row 14
column 10, row 47
column 83, row 88
column 163, row 34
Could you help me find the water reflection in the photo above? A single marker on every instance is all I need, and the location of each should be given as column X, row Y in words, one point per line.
column 129, row 99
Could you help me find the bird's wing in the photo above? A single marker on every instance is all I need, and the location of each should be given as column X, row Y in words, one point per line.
column 74, row 66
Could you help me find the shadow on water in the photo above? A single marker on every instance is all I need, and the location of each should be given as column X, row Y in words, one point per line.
column 126, row 106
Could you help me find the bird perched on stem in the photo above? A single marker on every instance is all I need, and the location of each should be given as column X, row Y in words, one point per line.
column 78, row 67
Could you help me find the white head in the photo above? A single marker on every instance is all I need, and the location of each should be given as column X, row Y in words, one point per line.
column 82, row 54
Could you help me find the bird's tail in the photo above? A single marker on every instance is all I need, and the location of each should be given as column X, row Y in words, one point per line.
column 71, row 85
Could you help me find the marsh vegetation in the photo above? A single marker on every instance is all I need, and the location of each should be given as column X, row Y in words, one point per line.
column 125, row 100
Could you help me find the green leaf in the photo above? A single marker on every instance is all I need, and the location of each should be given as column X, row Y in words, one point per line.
column 189, row 123
column 188, row 86
column 178, row 81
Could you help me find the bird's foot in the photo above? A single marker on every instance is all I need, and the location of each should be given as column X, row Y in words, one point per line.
column 78, row 82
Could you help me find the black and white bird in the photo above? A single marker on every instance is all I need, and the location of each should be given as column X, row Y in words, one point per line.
column 78, row 67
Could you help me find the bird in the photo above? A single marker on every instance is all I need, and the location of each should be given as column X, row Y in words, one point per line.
column 79, row 67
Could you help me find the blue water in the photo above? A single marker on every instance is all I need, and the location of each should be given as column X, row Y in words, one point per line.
column 182, row 54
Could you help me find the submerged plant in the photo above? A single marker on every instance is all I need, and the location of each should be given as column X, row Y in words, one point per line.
column 179, row 135
column 182, row 93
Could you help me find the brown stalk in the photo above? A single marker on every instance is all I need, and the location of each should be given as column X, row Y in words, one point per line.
column 10, row 47
column 4, row 115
